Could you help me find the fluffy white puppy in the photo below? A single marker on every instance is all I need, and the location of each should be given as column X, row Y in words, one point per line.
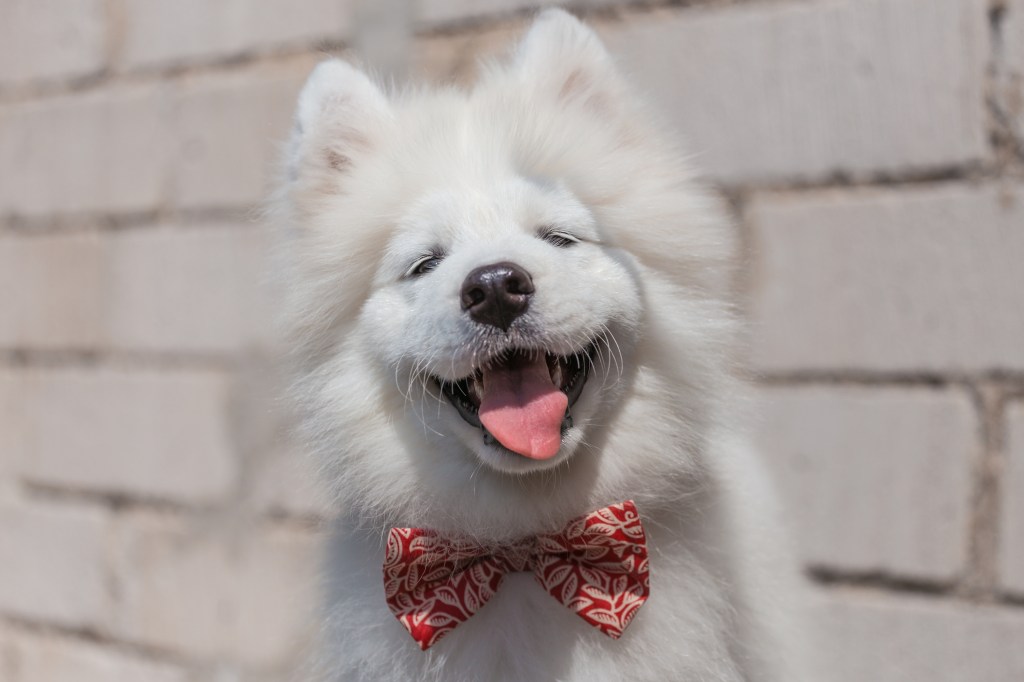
column 510, row 307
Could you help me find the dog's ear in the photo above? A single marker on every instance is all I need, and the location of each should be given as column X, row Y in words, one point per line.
column 561, row 57
column 340, row 114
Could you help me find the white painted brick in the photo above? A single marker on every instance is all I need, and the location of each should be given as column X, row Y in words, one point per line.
column 7, row 655
column 430, row 12
column 904, row 639
column 12, row 433
column 158, row 32
column 53, row 567
column 911, row 280
column 127, row 431
column 232, row 673
column 1009, row 82
column 1013, row 39
column 192, row 289
column 47, row 39
column 54, row 659
column 877, row 480
column 285, row 482
column 806, row 89
column 105, row 150
column 56, row 281
column 279, row 476
column 165, row 288
column 1012, row 530
column 230, row 129
column 213, row 592
column 454, row 57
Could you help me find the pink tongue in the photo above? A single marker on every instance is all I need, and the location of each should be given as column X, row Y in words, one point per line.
column 523, row 409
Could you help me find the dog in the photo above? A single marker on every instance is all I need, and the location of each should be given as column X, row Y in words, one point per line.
column 510, row 309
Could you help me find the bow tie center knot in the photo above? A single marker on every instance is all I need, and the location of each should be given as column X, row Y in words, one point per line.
column 519, row 557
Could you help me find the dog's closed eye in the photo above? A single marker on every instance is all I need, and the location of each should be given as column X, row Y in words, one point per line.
column 558, row 237
column 424, row 264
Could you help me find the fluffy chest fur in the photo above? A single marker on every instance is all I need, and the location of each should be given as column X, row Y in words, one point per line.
column 699, row 623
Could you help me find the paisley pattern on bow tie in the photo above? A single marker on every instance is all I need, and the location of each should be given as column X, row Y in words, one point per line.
column 597, row 566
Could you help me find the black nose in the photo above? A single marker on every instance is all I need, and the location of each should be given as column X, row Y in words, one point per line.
column 497, row 294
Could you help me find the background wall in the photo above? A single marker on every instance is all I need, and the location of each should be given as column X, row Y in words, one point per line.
column 152, row 527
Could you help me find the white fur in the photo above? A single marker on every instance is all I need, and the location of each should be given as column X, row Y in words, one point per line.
column 551, row 138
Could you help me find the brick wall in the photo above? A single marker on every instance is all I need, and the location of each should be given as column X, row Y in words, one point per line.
column 153, row 526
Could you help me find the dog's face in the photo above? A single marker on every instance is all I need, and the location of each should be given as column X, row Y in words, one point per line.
column 500, row 309
column 505, row 301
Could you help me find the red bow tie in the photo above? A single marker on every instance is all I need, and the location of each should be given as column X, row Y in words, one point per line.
column 597, row 566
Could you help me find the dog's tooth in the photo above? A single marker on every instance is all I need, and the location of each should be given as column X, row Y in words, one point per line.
column 567, row 421
column 556, row 374
column 489, row 439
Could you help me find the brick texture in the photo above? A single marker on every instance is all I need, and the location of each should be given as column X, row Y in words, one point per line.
column 456, row 58
column 915, row 638
column 229, row 131
column 142, row 432
column 1013, row 38
column 160, row 33
column 800, row 90
column 431, row 12
column 50, row 659
column 53, row 564
column 59, row 284
column 1012, row 557
column 95, row 152
column 13, row 431
column 6, row 654
column 851, row 280
column 194, row 289
column 48, row 39
column 243, row 598
column 849, row 460
column 285, row 482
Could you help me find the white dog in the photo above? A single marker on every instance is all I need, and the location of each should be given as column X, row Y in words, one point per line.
column 510, row 309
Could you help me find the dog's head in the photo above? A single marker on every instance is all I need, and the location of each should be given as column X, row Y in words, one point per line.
column 501, row 298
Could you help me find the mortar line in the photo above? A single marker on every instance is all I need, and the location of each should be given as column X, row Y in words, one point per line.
column 95, row 635
column 887, row 586
column 124, row 503
column 97, row 358
column 833, row 577
column 869, row 378
column 981, row 581
column 77, row 223
column 961, row 173
column 1005, row 141
column 170, row 73
column 1011, row 599
column 610, row 13
column 115, row 502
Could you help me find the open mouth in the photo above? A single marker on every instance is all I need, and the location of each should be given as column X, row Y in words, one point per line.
column 522, row 400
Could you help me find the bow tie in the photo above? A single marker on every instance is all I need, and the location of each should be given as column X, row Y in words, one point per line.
column 596, row 566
